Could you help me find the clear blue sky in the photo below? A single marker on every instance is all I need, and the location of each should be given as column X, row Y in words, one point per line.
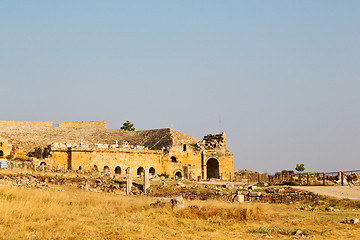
column 283, row 76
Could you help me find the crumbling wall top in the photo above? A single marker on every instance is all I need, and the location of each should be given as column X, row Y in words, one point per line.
column 25, row 123
column 215, row 140
column 84, row 124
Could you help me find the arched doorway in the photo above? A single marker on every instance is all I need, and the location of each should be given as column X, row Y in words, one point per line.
column 178, row 175
column 212, row 168
column 140, row 171
column 106, row 169
column 152, row 171
column 118, row 170
column 173, row 159
column 1, row 153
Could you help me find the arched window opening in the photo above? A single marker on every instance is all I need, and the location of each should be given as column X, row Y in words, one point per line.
column 178, row 175
column 118, row 170
column 184, row 147
column 43, row 164
column 152, row 171
column 1, row 153
column 140, row 171
column 79, row 168
column 173, row 159
column 106, row 169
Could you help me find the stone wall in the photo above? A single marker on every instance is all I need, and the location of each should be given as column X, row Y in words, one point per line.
column 26, row 123
column 190, row 164
column 84, row 124
column 101, row 160
column 29, row 138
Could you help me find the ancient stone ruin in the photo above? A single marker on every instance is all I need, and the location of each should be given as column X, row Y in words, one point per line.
column 89, row 146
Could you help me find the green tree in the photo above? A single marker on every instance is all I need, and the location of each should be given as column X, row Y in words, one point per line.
column 300, row 167
column 128, row 126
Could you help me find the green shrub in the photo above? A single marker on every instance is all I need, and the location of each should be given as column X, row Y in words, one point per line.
column 164, row 175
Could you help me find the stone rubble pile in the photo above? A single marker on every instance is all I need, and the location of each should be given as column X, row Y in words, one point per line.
column 282, row 195
column 25, row 182
column 99, row 185
column 228, row 192
column 351, row 221
column 177, row 203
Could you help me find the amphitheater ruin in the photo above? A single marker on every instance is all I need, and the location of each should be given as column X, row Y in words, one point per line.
column 90, row 146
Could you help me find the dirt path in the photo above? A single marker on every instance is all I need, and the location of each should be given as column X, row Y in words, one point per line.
column 352, row 192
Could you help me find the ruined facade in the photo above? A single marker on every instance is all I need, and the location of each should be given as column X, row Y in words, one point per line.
column 89, row 146
column 6, row 148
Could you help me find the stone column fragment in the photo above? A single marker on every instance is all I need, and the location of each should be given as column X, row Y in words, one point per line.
column 146, row 180
column 128, row 180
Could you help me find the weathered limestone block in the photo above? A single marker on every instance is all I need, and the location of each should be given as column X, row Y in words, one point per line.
column 178, row 203
column 254, row 194
column 239, row 198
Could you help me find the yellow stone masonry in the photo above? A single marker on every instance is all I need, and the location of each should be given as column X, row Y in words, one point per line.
column 26, row 123
column 84, row 124
column 81, row 146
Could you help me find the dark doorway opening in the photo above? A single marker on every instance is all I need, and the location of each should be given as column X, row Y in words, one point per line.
column 212, row 168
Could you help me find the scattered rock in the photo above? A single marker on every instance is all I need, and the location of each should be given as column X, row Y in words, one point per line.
column 178, row 203
column 181, row 184
column 331, row 209
column 239, row 198
column 298, row 233
column 252, row 187
column 228, row 185
column 194, row 207
column 254, row 194
column 351, row 221
column 24, row 181
column 262, row 184
column 159, row 203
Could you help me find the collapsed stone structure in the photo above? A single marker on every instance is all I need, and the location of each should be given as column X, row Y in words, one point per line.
column 6, row 148
column 90, row 146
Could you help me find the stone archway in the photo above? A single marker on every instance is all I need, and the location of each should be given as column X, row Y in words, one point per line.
column 152, row 171
column 118, row 170
column 212, row 168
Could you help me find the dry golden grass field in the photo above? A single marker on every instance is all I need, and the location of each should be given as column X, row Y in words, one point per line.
column 78, row 214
